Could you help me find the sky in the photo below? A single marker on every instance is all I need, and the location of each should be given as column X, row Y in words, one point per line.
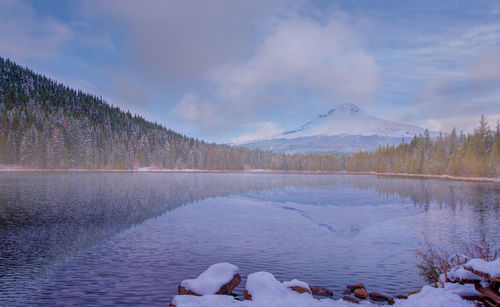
column 230, row 70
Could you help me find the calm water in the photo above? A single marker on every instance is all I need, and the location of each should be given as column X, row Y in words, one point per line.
column 113, row 238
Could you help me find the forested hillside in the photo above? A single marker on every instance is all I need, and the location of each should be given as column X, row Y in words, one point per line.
column 46, row 125
column 471, row 155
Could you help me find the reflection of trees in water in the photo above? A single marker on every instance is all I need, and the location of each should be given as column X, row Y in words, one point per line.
column 424, row 192
column 481, row 201
column 48, row 216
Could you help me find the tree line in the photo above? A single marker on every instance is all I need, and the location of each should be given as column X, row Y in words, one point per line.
column 47, row 125
column 475, row 154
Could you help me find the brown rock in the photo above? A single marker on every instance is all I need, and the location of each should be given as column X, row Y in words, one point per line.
column 300, row 289
column 390, row 301
column 318, row 290
column 377, row 297
column 226, row 289
column 356, row 286
column 347, row 291
column 401, row 297
column 247, row 295
column 184, row 291
column 350, row 300
column 360, row 293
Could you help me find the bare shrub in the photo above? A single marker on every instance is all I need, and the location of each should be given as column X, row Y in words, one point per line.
column 436, row 259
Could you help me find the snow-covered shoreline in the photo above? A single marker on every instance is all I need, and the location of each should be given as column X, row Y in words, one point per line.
column 444, row 177
column 475, row 281
column 15, row 168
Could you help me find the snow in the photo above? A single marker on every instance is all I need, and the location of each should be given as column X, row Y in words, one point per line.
column 492, row 268
column 296, row 283
column 286, row 301
column 205, row 301
column 266, row 290
column 349, row 119
column 345, row 128
column 446, row 177
column 438, row 297
column 210, row 281
column 263, row 286
column 459, row 273
column 428, row 296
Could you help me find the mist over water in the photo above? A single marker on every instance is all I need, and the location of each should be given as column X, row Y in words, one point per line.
column 109, row 238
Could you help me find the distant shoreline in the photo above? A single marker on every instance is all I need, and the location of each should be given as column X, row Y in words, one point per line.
column 443, row 177
column 250, row 171
column 12, row 168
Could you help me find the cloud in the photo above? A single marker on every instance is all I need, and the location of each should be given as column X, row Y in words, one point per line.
column 258, row 130
column 304, row 53
column 25, row 35
column 185, row 39
column 475, row 91
column 466, row 123
column 469, row 42
column 191, row 108
column 299, row 55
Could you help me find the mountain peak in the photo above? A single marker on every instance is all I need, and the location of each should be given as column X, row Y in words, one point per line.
column 344, row 108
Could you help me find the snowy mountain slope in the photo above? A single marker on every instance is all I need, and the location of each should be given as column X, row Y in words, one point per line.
column 343, row 129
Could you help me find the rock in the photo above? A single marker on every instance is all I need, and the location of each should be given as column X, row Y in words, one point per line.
column 377, row 297
column 350, row 300
column 247, row 295
column 228, row 288
column 297, row 286
column 361, row 293
column 356, row 286
column 390, row 301
column 318, row 290
column 300, row 289
column 401, row 297
column 347, row 291
column 184, row 291
column 225, row 289
column 219, row 278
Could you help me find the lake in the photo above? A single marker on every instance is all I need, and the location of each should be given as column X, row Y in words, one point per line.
column 107, row 238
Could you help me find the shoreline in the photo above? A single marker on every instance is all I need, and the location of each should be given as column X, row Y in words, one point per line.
column 15, row 168
column 153, row 170
column 442, row 177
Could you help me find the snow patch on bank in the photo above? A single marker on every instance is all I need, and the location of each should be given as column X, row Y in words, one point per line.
column 210, row 281
column 266, row 290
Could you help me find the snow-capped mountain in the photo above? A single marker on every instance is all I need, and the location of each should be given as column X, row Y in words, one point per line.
column 343, row 129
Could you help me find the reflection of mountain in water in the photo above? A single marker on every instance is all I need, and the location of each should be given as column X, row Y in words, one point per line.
column 48, row 216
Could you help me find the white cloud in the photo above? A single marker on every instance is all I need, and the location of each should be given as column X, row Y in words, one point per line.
column 258, row 130
column 25, row 35
column 302, row 53
column 193, row 109
column 466, row 123
column 476, row 90
column 298, row 54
